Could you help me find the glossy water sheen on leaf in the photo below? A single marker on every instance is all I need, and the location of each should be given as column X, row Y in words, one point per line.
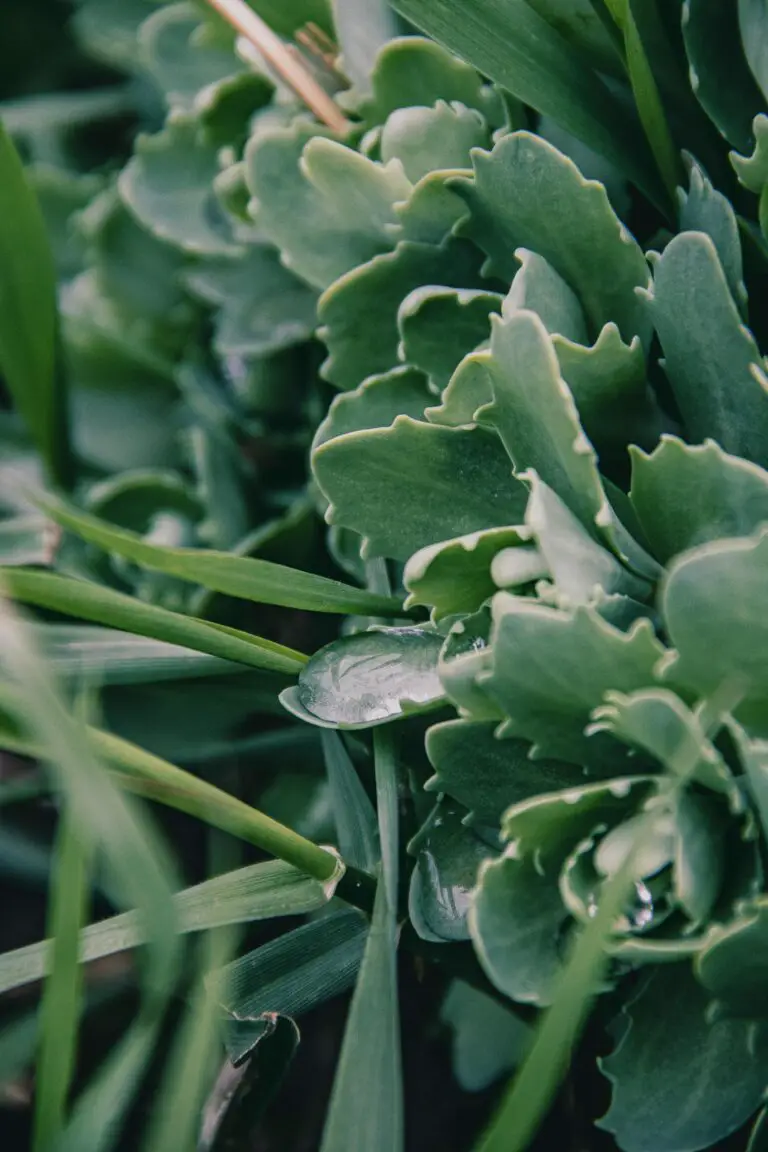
column 444, row 482
column 439, row 326
column 686, row 495
column 454, row 576
column 526, row 194
column 372, row 676
column 680, row 1083
column 711, row 359
column 447, row 859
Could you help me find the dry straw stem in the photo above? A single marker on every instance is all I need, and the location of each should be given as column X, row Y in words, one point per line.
column 287, row 64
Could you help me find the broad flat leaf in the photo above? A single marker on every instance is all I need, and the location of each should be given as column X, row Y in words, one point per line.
column 447, row 859
column 551, row 669
column 534, row 414
column 537, row 287
column 167, row 185
column 511, row 43
column 100, row 605
column 670, row 1093
column 290, row 975
column 301, row 185
column 257, row 892
column 486, row 774
column 178, row 57
column 707, row 495
column 239, row 576
column 713, row 600
column 526, row 194
column 361, row 33
column 375, row 403
column 704, row 209
column 378, row 288
column 720, row 77
column 439, row 326
column 432, row 139
column 488, row 1040
column 372, row 676
column 516, row 921
column 411, row 71
column 24, row 540
column 28, row 316
column 444, row 482
column 356, row 828
column 711, row 359
column 578, row 23
column 454, row 576
column 752, row 170
column 262, row 308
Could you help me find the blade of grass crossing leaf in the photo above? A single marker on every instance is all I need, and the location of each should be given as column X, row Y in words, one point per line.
column 101, row 605
column 62, row 995
column 239, row 576
column 354, row 814
column 366, row 1109
column 650, row 107
column 28, row 323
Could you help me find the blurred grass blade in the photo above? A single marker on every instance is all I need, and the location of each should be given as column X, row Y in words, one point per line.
column 62, row 995
column 356, row 826
column 366, row 1109
column 289, row 976
column 101, row 605
column 24, row 540
column 239, row 576
column 257, row 892
column 28, row 322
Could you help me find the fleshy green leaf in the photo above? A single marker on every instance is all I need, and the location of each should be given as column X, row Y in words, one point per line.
column 686, row 495
column 179, row 58
column 511, row 43
column 732, row 962
column 488, row 1040
column 711, row 359
column 375, row 403
column 516, row 201
column 361, row 33
column 372, row 676
column 704, row 209
column 426, row 140
column 487, row 774
column 24, row 540
column 411, row 71
column 439, row 326
column 752, row 171
column 444, row 482
column 454, row 576
column 379, row 287
column 551, row 669
column 447, row 859
column 28, row 315
column 306, row 209
column 670, row 1093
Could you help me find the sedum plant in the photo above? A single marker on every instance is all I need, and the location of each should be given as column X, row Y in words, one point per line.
column 534, row 250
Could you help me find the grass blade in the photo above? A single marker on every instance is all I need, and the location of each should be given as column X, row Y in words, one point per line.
column 62, row 995
column 94, row 602
column 356, row 826
column 239, row 576
column 28, row 319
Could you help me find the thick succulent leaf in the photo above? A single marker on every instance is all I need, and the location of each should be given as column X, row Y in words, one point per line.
column 711, row 359
column 714, row 604
column 28, row 315
column 362, row 31
column 752, row 170
column 24, row 540
column 444, row 482
column 469, row 389
column 551, row 669
column 262, row 308
column 720, row 77
column 448, row 856
column 372, row 676
column 239, row 576
column 700, row 854
column 516, row 921
column 538, row 288
column 433, row 209
column 454, row 576
column 526, row 194
column 427, row 140
column 289, row 976
column 509, row 41
column 486, row 774
column 376, row 403
column 466, row 653
column 534, row 414
column 754, row 759
column 686, row 495
column 257, row 892
column 754, row 39
column 167, row 184
column 657, row 721
column 488, row 1040
column 179, row 58
column 439, row 326
column 378, row 288
column 670, row 1093
column 301, row 183
column 731, row 964
column 704, row 209
column 414, row 72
